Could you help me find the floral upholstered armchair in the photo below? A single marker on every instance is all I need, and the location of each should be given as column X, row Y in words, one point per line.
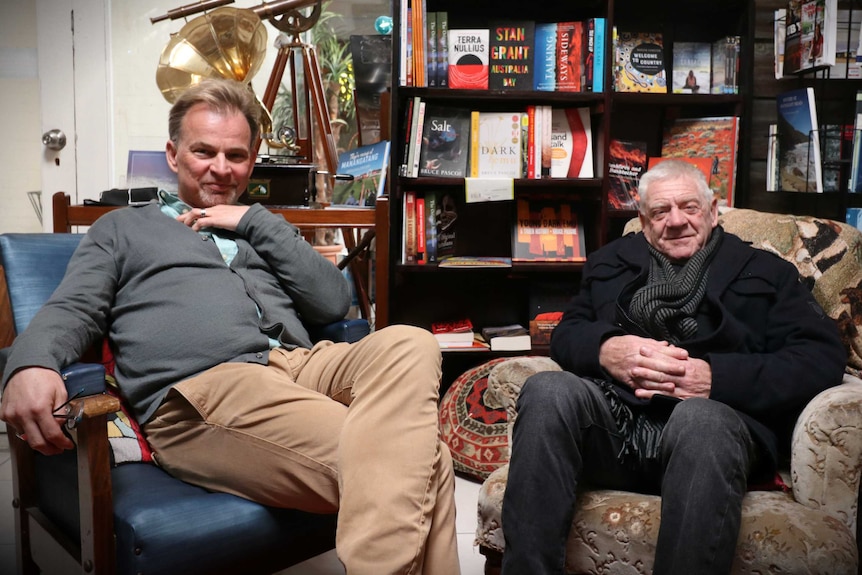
column 808, row 525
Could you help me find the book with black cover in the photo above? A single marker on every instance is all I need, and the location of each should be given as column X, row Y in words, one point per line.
column 510, row 63
column 445, row 142
column 627, row 161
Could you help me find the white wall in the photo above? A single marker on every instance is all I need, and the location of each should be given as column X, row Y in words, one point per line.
column 19, row 116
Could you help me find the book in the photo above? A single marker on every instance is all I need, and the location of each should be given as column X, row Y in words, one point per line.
column 546, row 230
column 468, row 58
column 445, row 220
column 831, row 140
column 692, row 66
column 499, row 145
column 416, row 146
column 793, row 38
column 462, row 326
column 855, row 184
column 413, row 135
column 626, row 162
column 570, row 47
column 819, row 26
column 431, row 227
column 475, row 262
column 639, row 63
column 431, row 49
column 409, row 226
column 725, row 66
column 703, row 164
column 368, row 166
column 503, row 331
column 546, row 141
column 544, row 57
column 772, row 177
column 443, row 49
column 510, row 60
column 511, row 342
column 546, row 302
column 571, row 143
column 709, row 137
column 600, row 25
column 779, row 31
column 445, row 142
column 420, row 230
column 846, row 46
column 799, row 164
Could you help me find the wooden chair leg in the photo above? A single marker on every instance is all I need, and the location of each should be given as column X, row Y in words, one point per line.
column 22, row 499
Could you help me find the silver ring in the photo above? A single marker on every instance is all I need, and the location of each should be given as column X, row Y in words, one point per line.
column 204, row 213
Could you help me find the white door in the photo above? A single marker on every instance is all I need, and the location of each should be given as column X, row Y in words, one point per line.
column 74, row 85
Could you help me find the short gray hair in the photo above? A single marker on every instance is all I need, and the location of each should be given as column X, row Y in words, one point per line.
column 672, row 170
column 221, row 95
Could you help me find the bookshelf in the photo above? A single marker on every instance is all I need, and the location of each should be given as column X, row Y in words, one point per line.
column 420, row 294
column 835, row 100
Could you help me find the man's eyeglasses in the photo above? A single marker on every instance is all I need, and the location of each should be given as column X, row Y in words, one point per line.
column 72, row 413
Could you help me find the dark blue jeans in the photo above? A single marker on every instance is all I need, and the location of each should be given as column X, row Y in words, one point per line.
column 565, row 434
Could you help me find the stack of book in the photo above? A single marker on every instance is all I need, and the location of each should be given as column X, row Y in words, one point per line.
column 456, row 334
column 514, row 337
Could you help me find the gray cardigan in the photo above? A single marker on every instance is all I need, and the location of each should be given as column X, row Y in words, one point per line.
column 171, row 308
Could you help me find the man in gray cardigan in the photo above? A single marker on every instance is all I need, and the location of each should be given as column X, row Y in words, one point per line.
column 204, row 303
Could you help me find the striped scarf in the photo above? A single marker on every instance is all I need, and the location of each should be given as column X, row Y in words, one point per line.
column 665, row 307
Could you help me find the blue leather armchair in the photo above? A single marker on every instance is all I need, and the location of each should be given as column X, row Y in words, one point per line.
column 77, row 513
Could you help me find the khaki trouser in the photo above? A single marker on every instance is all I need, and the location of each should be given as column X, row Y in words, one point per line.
column 273, row 434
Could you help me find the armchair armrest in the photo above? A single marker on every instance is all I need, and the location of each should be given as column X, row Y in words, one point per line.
column 349, row 330
column 506, row 379
column 826, row 452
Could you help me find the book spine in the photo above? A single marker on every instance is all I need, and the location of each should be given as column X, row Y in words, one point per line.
column 409, row 44
column 525, row 147
column 402, row 26
column 412, row 152
column 546, row 141
column 537, row 142
column 599, row 56
column 545, row 50
column 417, row 142
column 410, row 227
column 431, row 227
column 588, row 55
column 431, row 52
column 531, row 142
column 443, row 49
column 474, row 144
column 420, row 230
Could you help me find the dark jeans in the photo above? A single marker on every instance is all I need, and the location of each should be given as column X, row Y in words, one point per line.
column 565, row 434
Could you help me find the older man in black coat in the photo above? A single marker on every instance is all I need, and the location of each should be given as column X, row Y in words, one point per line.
column 688, row 356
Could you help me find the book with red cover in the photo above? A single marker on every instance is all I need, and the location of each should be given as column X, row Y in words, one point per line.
column 570, row 45
column 627, row 161
column 468, row 59
column 705, row 165
column 510, row 61
column 713, row 137
column 546, row 230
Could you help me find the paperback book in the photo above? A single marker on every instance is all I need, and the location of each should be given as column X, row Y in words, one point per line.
column 445, row 142
column 725, row 66
column 711, row 137
column 639, row 65
column 571, row 143
column 544, row 57
column 510, row 62
column 793, row 38
column 547, row 230
column 547, row 301
column 799, row 164
column 819, row 27
column 498, row 142
column 855, row 186
column 692, row 64
column 468, row 59
column 570, row 46
column 627, row 161
column 368, row 166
